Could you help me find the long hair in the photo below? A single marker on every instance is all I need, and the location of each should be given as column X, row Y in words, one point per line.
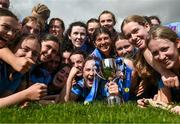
column 133, row 18
column 162, row 32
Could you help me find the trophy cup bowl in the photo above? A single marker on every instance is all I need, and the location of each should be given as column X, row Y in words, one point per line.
column 109, row 69
column 109, row 73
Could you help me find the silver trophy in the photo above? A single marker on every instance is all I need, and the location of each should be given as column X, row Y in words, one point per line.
column 110, row 71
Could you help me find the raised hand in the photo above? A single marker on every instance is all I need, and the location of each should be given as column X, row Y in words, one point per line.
column 22, row 64
column 74, row 71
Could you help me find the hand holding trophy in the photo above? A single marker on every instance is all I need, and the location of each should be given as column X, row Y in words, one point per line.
column 110, row 70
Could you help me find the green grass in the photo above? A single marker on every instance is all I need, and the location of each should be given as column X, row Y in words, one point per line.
column 93, row 113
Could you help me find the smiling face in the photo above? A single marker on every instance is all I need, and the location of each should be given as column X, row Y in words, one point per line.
column 103, row 43
column 92, row 26
column 61, row 77
column 89, row 72
column 56, row 29
column 49, row 50
column 65, row 57
column 136, row 34
column 106, row 20
column 53, row 64
column 28, row 48
column 77, row 36
column 165, row 52
column 77, row 61
column 8, row 30
column 123, row 47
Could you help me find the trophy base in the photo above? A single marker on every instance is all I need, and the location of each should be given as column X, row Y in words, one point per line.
column 115, row 100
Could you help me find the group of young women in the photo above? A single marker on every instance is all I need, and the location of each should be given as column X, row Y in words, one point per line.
column 146, row 56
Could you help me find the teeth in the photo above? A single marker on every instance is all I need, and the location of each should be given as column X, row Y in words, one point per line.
column 166, row 61
column 78, row 41
column 46, row 56
column 55, row 33
column 104, row 47
column 139, row 42
column 3, row 39
column 59, row 79
column 90, row 79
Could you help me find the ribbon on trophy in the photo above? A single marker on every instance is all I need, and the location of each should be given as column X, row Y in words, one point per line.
column 124, row 82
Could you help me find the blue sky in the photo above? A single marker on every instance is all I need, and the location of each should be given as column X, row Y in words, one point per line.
column 82, row 10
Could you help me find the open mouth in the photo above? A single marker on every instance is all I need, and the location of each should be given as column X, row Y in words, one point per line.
column 78, row 42
column 2, row 39
column 54, row 33
column 91, row 79
column 139, row 43
column 105, row 47
column 166, row 62
column 107, row 26
column 59, row 79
